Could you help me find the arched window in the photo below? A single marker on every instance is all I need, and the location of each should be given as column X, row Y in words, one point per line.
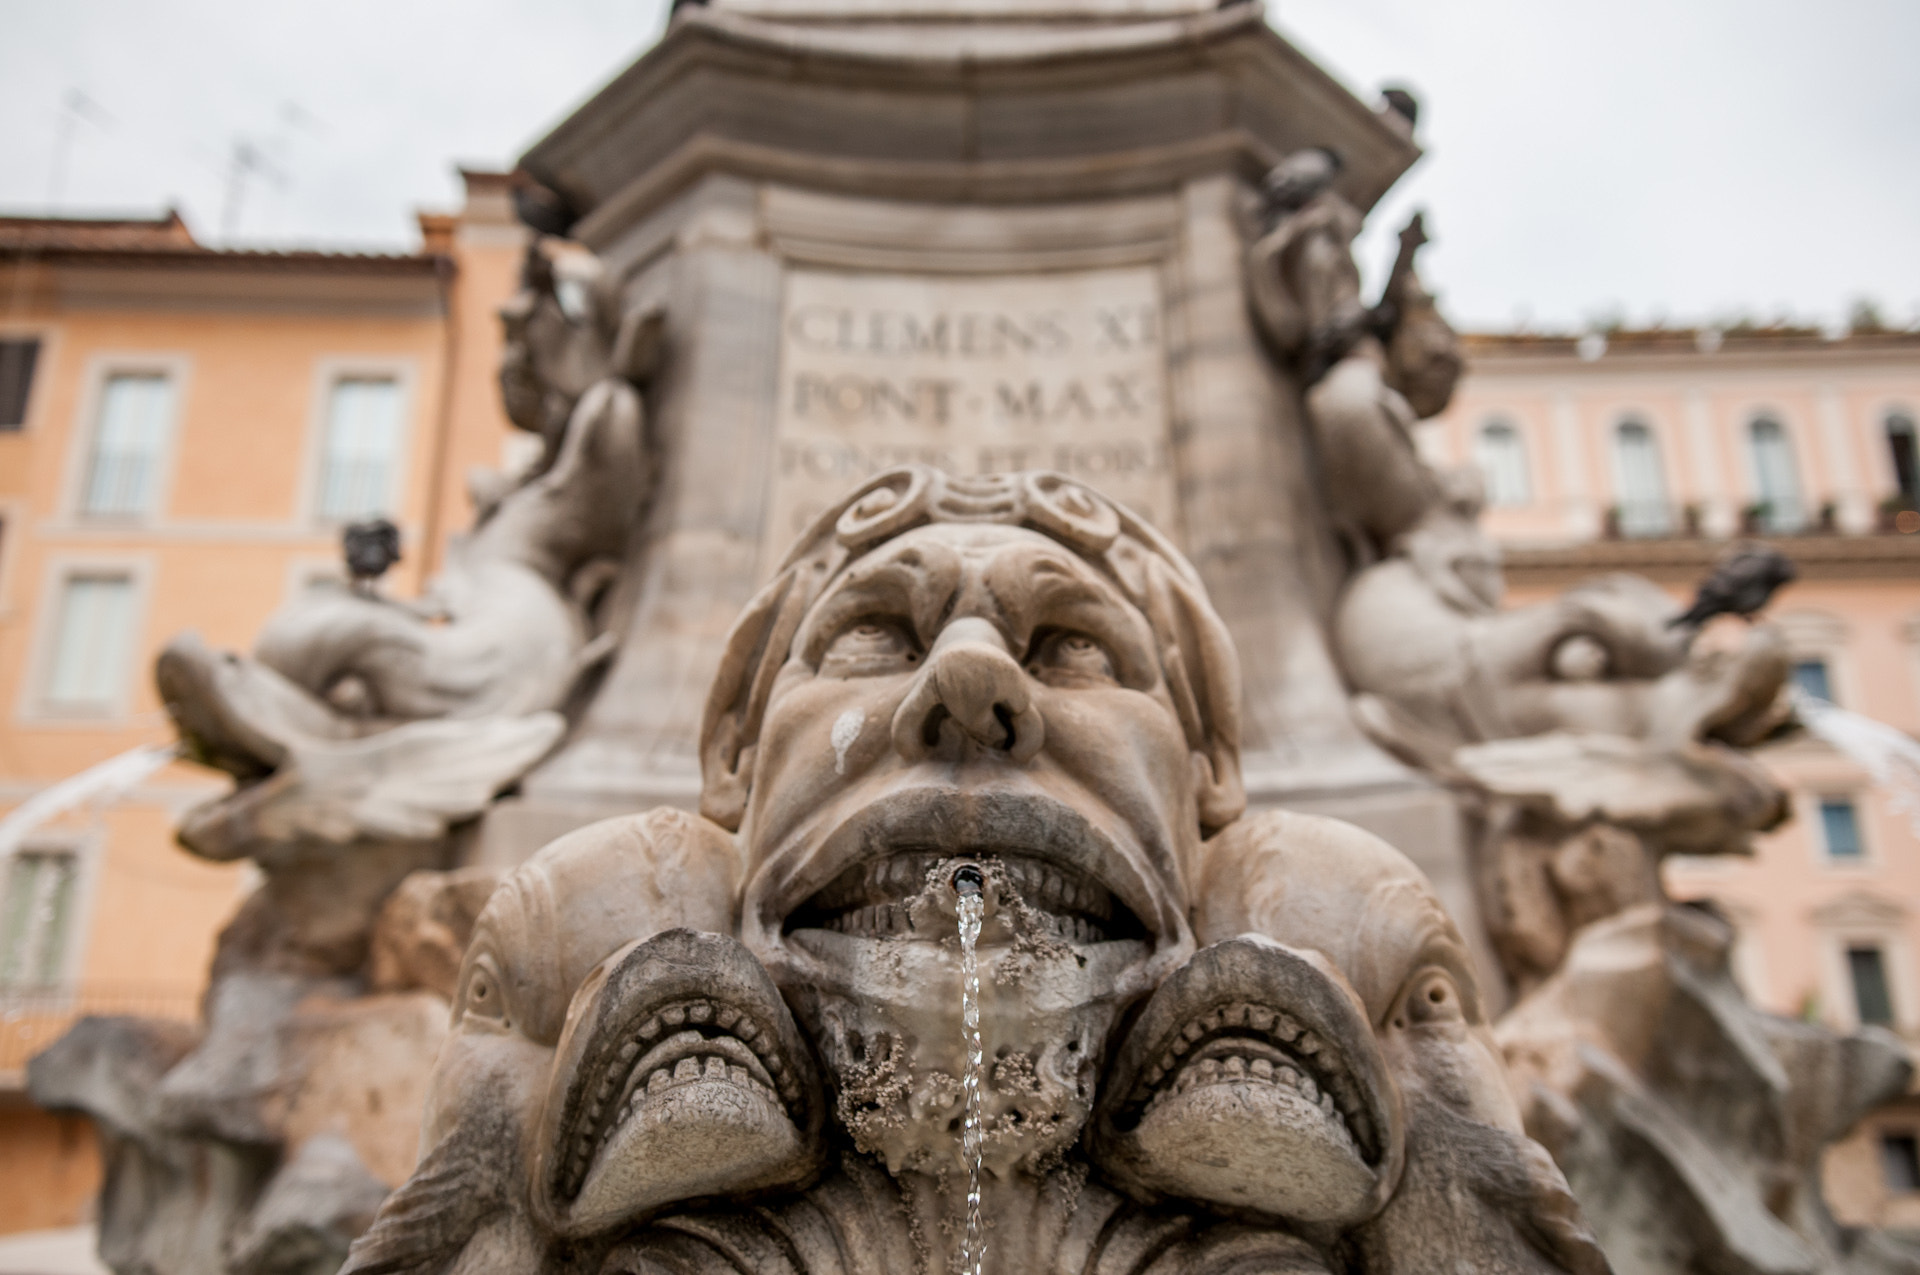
column 1502, row 456
column 1776, row 478
column 1639, row 481
column 1901, row 442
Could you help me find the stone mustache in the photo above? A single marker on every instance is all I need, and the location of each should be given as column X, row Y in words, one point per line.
column 731, row 1042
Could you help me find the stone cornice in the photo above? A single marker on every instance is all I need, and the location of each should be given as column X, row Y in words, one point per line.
column 1045, row 114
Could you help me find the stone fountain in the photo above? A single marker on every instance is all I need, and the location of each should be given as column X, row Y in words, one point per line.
column 978, row 744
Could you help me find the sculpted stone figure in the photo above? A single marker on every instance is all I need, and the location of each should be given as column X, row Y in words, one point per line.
column 1700, row 1120
column 1368, row 372
column 733, row 1042
column 362, row 732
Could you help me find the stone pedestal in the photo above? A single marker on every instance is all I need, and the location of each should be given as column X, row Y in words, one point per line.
column 987, row 237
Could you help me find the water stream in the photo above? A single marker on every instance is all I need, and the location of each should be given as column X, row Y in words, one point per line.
column 968, row 885
column 97, row 785
column 1892, row 757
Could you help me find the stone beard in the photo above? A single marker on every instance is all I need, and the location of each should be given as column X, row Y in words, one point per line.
column 732, row 1042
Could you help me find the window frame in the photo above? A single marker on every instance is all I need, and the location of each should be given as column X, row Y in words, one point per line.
column 86, row 424
column 37, row 387
column 1836, row 935
column 85, row 848
column 33, row 706
column 1820, row 801
column 1887, row 476
column 1756, row 483
column 1616, row 472
column 328, row 371
column 1523, row 449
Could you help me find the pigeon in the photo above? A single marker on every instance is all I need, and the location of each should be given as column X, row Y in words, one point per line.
column 545, row 211
column 1741, row 585
column 370, row 548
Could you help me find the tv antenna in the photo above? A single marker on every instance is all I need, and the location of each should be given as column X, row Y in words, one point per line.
column 76, row 108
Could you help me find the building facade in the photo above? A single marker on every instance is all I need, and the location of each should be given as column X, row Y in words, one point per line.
column 1650, row 452
column 183, row 432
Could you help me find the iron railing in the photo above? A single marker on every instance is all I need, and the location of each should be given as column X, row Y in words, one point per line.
column 32, row 1018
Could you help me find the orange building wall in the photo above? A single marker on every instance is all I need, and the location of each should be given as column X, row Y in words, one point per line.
column 234, row 531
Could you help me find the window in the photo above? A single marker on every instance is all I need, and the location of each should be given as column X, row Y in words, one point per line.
column 1840, row 826
column 1640, row 482
column 129, row 438
column 359, row 450
column 93, row 642
column 1867, row 967
column 1906, row 459
column 1811, row 677
column 1900, row 1162
column 1776, row 479
column 16, row 381
column 34, row 913
column 1502, row 456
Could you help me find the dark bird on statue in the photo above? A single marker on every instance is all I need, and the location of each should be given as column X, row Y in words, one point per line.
column 1741, row 585
column 370, row 548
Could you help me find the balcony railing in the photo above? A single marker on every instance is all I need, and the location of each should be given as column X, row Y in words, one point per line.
column 1659, row 520
column 32, row 1018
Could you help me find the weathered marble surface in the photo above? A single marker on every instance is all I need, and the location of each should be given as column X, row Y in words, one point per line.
column 1691, row 1123
column 732, row 1041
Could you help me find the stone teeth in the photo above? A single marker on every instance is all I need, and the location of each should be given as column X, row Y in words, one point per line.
column 1308, row 1044
column 716, row 1069
column 629, row 1050
column 675, row 1016
column 1193, row 1031
column 726, row 1017
column 1236, row 1067
column 1309, row 1090
column 1260, row 1019
column 687, row 1069
column 700, row 1012
column 1263, row 1068
column 650, row 1028
column 658, row 1080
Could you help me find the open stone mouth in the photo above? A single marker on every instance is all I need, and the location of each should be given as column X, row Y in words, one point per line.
column 877, row 898
column 684, row 1042
column 1247, row 1042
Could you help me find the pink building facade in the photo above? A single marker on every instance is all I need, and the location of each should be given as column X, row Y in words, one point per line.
column 1648, row 452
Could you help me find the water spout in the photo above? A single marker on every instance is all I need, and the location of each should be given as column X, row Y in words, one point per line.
column 96, row 785
column 969, row 887
column 1892, row 757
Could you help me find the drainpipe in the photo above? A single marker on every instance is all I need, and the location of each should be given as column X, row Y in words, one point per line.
column 446, row 272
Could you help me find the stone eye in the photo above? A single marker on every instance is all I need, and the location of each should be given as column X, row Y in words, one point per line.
column 1433, row 998
column 1065, row 658
column 483, row 998
column 869, row 647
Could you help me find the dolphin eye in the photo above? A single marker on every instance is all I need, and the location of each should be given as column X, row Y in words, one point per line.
column 1067, row 658
column 482, row 995
column 1432, row 997
column 868, row 647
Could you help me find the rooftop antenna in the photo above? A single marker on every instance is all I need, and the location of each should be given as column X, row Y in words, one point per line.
column 75, row 108
column 244, row 161
column 249, row 158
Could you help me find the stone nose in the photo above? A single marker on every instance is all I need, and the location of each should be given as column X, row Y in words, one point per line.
column 970, row 692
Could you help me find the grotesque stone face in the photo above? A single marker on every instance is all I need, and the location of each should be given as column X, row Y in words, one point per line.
column 1013, row 676
column 969, row 694
column 972, row 671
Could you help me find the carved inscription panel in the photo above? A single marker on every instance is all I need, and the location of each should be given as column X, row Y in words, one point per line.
column 1059, row 371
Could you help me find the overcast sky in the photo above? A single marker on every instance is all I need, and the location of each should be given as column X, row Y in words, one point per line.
column 1648, row 159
